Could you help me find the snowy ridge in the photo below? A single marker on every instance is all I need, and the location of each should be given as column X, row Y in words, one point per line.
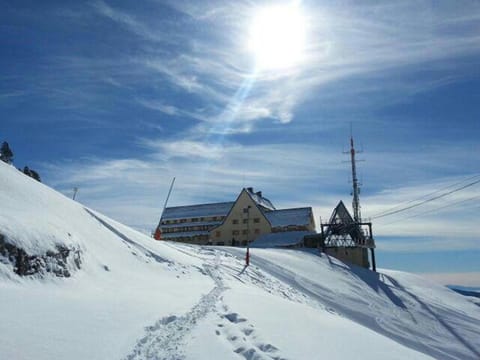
column 135, row 298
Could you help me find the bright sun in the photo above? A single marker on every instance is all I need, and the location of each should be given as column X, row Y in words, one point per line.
column 277, row 37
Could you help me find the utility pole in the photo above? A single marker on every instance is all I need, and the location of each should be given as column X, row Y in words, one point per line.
column 75, row 190
column 247, row 256
column 158, row 234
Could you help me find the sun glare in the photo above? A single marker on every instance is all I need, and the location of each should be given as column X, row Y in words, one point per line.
column 277, row 36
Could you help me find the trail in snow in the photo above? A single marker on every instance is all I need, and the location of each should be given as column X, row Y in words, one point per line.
column 164, row 339
column 214, row 305
column 233, row 267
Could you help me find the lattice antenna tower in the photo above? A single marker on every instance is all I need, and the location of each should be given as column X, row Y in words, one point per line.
column 356, row 187
column 355, row 183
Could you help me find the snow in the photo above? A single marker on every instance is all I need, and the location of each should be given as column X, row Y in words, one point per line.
column 260, row 200
column 197, row 211
column 136, row 298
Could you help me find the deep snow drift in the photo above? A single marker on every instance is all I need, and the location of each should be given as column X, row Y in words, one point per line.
column 92, row 288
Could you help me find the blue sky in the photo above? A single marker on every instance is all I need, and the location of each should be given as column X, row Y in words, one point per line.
column 118, row 97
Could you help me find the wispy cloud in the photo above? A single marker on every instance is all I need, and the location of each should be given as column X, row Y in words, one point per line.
column 11, row 94
column 129, row 21
column 172, row 110
column 195, row 67
column 346, row 41
column 288, row 173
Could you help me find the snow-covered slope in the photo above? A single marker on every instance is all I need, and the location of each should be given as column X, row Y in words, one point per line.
column 100, row 290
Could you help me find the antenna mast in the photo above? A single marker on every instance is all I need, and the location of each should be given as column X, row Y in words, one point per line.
column 356, row 187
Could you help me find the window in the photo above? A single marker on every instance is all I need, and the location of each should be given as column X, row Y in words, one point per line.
column 235, row 221
column 235, row 232
column 256, row 220
column 244, row 232
column 194, row 220
column 218, row 234
column 245, row 221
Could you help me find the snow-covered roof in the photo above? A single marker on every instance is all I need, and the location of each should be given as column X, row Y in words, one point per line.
column 280, row 239
column 259, row 199
column 285, row 217
column 194, row 211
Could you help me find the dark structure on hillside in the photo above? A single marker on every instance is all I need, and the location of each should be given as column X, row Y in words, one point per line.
column 345, row 237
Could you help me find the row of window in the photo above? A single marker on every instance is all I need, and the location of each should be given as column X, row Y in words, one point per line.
column 187, row 228
column 201, row 219
column 244, row 221
column 290, row 228
column 237, row 232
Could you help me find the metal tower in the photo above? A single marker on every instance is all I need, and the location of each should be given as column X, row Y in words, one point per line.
column 356, row 188
column 346, row 232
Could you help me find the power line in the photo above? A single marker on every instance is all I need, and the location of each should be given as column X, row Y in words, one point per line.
column 381, row 213
column 433, row 210
column 427, row 200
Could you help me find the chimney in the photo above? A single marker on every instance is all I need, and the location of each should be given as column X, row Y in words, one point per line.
column 259, row 193
column 250, row 189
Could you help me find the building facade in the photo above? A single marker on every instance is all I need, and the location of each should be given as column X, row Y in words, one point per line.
column 235, row 223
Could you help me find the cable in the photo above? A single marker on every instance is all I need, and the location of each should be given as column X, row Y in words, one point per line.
column 427, row 200
column 381, row 213
column 433, row 210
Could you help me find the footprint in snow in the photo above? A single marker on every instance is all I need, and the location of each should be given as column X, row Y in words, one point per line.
column 242, row 336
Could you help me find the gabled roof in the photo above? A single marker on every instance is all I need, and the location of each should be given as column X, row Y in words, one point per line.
column 258, row 199
column 343, row 224
column 285, row 217
column 341, row 215
column 195, row 211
